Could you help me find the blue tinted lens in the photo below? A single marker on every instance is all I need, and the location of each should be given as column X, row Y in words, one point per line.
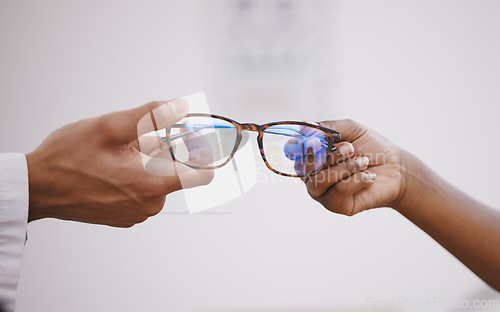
column 295, row 149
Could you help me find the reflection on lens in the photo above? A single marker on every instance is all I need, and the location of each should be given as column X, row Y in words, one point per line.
column 203, row 142
column 294, row 149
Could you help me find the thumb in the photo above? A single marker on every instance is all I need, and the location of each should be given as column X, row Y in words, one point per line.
column 126, row 126
column 349, row 129
column 162, row 116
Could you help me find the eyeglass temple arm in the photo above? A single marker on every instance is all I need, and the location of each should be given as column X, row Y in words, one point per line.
column 244, row 140
column 180, row 135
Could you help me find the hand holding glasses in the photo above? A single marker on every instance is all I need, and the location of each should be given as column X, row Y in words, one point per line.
column 288, row 148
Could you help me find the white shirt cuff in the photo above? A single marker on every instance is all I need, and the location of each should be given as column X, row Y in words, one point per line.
column 13, row 222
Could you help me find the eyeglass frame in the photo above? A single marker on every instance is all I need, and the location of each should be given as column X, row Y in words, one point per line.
column 331, row 135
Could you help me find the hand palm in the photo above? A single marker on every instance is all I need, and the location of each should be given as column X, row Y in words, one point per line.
column 355, row 194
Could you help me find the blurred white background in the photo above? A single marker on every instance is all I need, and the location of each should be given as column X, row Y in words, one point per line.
column 424, row 73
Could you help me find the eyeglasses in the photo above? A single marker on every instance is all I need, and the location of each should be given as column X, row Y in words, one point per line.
column 288, row 148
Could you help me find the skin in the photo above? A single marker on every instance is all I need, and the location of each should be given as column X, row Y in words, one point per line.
column 394, row 178
column 93, row 170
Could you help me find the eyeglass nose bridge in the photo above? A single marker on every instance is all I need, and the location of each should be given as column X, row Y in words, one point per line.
column 251, row 127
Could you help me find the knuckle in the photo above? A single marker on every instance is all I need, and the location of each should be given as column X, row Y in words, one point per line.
column 155, row 207
column 329, row 203
column 356, row 129
column 141, row 219
column 126, row 225
column 320, row 178
column 330, row 124
column 109, row 127
column 343, row 207
column 348, row 212
column 350, row 122
column 149, row 190
column 337, row 203
column 342, row 171
column 314, row 191
column 353, row 166
column 342, row 187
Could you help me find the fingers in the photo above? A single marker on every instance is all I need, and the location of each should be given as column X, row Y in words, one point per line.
column 174, row 175
column 343, row 151
column 149, row 145
column 341, row 197
column 126, row 126
column 158, row 162
column 162, row 116
column 199, row 148
column 318, row 184
column 349, row 130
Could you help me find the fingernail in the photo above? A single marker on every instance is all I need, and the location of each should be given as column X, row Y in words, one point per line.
column 368, row 177
column 179, row 107
column 346, row 148
column 362, row 162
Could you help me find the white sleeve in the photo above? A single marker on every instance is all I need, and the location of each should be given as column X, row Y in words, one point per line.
column 13, row 222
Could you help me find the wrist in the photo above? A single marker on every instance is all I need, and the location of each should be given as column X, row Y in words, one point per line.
column 35, row 185
column 415, row 181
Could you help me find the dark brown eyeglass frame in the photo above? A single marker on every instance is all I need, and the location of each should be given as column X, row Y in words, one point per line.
column 331, row 135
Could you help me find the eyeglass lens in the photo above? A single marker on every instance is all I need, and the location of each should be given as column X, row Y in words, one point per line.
column 294, row 149
column 207, row 142
column 203, row 141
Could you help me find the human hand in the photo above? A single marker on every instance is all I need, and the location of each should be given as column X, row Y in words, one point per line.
column 465, row 227
column 366, row 171
column 93, row 170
